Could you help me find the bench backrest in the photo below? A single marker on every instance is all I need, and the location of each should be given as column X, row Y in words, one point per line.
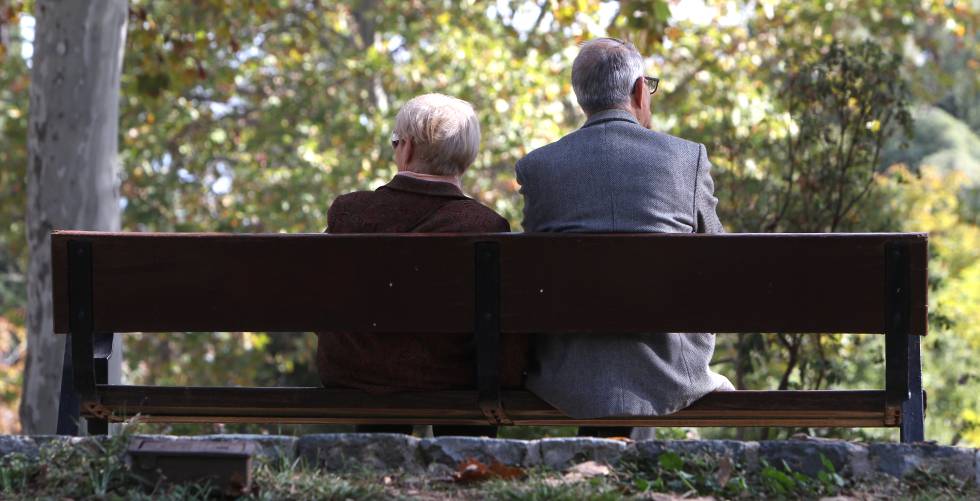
column 548, row 282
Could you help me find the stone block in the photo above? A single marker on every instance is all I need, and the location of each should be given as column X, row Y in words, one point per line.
column 805, row 455
column 976, row 465
column 559, row 453
column 451, row 451
column 742, row 453
column 269, row 447
column 440, row 471
column 361, row 451
column 899, row 460
column 19, row 444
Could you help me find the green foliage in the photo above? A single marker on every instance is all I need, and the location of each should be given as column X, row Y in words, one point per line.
column 927, row 485
column 842, row 105
column 784, row 483
column 930, row 201
column 940, row 140
column 299, row 481
column 711, row 476
column 93, row 469
column 544, row 488
column 698, row 474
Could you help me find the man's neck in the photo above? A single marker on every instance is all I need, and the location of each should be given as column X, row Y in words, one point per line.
column 627, row 109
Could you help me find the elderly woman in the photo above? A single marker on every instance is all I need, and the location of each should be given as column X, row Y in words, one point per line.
column 436, row 139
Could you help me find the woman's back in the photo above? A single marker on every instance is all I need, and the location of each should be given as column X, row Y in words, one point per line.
column 412, row 361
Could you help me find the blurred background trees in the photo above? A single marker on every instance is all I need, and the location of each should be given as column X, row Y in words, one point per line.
column 252, row 116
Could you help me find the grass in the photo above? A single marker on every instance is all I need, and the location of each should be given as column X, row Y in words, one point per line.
column 299, row 481
column 96, row 469
column 544, row 487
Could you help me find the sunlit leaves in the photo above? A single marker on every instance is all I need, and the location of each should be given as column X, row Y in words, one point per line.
column 14, row 84
column 929, row 201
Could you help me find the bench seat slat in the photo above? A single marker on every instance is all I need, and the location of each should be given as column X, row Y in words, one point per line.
column 330, row 405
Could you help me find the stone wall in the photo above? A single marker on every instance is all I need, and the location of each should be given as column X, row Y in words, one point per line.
column 391, row 452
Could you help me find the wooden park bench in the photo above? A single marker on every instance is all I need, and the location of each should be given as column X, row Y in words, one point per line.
column 485, row 285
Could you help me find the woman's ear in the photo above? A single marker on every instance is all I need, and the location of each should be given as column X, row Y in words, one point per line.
column 409, row 149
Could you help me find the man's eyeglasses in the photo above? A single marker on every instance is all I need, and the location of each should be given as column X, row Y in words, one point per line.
column 395, row 139
column 652, row 84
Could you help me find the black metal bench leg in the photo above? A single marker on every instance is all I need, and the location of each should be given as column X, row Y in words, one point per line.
column 101, row 353
column 97, row 426
column 89, row 349
column 903, row 368
column 68, row 411
column 913, row 409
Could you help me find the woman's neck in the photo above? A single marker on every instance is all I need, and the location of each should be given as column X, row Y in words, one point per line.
column 454, row 180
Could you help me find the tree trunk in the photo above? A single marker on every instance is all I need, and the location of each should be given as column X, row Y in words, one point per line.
column 71, row 175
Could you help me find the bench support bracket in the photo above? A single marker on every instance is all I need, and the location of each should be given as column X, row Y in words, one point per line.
column 68, row 407
column 86, row 352
column 903, row 370
column 486, row 314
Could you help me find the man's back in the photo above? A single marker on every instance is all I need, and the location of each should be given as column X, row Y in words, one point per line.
column 614, row 175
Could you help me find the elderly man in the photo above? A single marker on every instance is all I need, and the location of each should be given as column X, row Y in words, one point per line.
column 616, row 175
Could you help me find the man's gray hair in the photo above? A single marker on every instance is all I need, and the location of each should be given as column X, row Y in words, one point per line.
column 604, row 73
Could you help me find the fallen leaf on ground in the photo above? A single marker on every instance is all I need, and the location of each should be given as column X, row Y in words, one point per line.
column 472, row 470
column 506, row 472
column 621, row 439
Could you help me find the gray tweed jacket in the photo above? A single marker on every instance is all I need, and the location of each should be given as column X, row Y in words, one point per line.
column 614, row 175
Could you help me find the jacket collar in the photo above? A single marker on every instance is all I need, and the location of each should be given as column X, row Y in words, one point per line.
column 420, row 187
column 609, row 116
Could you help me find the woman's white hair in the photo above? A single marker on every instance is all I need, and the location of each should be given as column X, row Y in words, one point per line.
column 444, row 130
column 604, row 73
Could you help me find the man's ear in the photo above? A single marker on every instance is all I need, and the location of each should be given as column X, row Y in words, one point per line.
column 636, row 96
